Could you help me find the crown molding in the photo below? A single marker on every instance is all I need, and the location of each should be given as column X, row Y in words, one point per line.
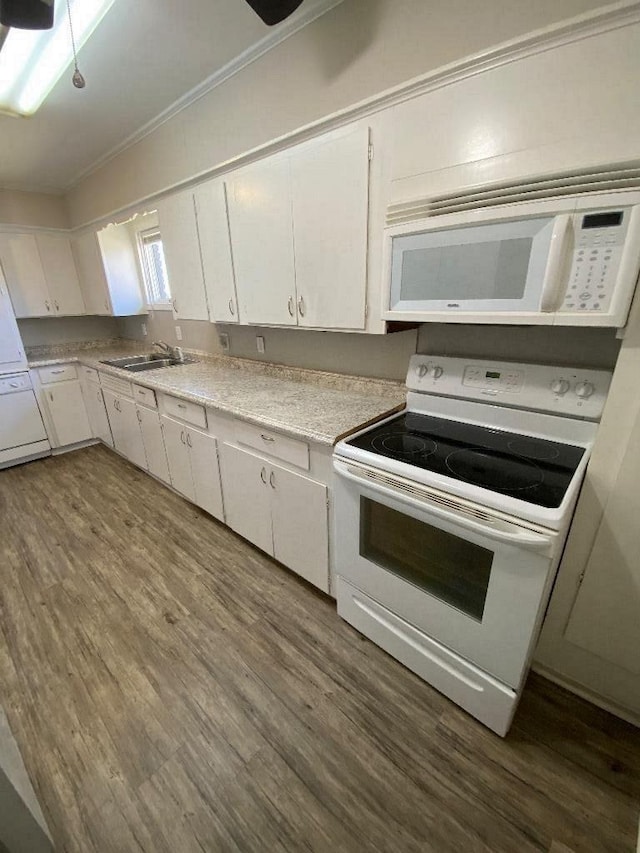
column 295, row 22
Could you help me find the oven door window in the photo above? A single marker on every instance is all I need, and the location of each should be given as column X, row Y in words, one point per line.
column 447, row 567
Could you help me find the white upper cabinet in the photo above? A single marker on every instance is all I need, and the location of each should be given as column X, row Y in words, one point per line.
column 41, row 275
column 60, row 274
column 330, row 189
column 118, row 254
column 262, row 239
column 25, row 276
column 93, row 282
column 215, row 250
column 179, row 232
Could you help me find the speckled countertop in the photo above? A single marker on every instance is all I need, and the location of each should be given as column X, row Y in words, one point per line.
column 318, row 406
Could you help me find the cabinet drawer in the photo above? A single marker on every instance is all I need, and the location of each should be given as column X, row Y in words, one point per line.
column 57, row 373
column 192, row 413
column 115, row 384
column 145, row 396
column 273, row 443
column 90, row 373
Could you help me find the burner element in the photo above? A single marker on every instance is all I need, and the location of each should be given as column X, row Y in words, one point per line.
column 534, row 448
column 403, row 444
column 493, row 470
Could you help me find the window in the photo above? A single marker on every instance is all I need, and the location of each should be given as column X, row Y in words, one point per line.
column 154, row 268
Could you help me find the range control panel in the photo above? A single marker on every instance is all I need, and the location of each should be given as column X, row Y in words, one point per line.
column 558, row 390
column 599, row 237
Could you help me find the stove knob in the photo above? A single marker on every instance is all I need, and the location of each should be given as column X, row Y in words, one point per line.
column 560, row 386
column 436, row 371
column 584, row 389
column 422, row 370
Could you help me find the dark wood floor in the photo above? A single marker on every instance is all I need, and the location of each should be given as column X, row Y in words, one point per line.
column 174, row 690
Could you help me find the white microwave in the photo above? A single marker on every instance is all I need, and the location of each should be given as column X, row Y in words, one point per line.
column 565, row 261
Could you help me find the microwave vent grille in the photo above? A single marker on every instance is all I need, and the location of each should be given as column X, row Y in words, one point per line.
column 625, row 176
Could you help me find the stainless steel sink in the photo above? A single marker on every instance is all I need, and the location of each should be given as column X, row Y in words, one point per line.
column 150, row 361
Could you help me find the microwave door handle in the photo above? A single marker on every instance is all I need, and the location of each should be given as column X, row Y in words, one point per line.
column 521, row 538
column 552, row 282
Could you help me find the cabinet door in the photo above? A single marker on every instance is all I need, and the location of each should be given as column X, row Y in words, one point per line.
column 215, row 249
column 60, row 273
column 68, row 413
column 247, row 499
column 175, row 441
column 119, row 254
column 97, row 413
column 205, row 472
column 12, row 355
column 181, row 246
column 93, row 282
column 300, row 525
column 330, row 189
column 25, row 276
column 262, row 242
column 153, row 441
column 134, row 446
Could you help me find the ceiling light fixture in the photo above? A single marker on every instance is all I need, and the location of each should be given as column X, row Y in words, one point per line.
column 32, row 61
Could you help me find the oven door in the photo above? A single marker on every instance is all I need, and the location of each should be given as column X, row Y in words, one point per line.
column 469, row 579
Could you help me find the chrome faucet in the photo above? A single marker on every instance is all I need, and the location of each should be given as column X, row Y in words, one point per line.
column 173, row 352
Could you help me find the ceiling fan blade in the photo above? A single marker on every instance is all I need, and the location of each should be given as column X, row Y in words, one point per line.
column 27, row 14
column 274, row 11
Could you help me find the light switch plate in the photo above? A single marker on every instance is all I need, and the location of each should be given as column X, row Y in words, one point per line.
column 178, row 333
column 260, row 344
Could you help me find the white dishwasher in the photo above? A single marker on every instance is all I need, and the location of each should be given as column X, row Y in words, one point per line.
column 22, row 433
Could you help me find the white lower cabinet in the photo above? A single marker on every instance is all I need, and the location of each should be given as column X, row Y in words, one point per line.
column 125, row 428
column 67, row 413
column 96, row 411
column 193, row 465
column 283, row 513
column 153, row 441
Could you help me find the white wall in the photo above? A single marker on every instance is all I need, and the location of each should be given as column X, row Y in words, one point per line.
column 356, row 50
column 32, row 209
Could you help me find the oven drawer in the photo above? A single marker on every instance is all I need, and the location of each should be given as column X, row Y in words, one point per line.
column 487, row 699
column 57, row 373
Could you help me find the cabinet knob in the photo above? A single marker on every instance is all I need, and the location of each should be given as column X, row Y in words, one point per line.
column 139, row 416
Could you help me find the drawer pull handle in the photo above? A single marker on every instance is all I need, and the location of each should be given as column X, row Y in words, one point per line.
column 182, row 406
column 48, row 306
column 301, row 308
column 57, row 306
column 231, row 308
column 272, row 480
column 139, row 416
column 266, row 437
column 263, row 475
column 290, row 305
column 189, row 439
column 182, row 437
column 57, row 372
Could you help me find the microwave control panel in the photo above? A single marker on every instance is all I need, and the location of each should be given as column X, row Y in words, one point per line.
column 599, row 237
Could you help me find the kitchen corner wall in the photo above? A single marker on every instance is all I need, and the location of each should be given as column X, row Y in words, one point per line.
column 380, row 356
column 62, row 330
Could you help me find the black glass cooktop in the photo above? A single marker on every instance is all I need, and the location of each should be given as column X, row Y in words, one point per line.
column 530, row 469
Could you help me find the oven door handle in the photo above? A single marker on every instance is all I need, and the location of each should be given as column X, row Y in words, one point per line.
column 520, row 538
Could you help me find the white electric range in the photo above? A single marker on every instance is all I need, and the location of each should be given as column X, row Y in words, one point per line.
column 451, row 518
